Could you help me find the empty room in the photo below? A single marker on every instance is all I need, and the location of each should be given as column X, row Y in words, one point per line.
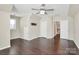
column 39, row 29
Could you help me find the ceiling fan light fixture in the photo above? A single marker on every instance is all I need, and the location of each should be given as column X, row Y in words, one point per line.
column 42, row 9
column 42, row 12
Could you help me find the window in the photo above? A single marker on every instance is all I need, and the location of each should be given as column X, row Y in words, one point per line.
column 12, row 24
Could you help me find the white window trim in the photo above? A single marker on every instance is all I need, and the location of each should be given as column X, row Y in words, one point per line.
column 12, row 24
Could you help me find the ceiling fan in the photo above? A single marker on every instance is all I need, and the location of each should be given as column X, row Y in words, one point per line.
column 42, row 9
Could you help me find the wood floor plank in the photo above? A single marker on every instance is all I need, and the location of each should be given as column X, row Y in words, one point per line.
column 41, row 46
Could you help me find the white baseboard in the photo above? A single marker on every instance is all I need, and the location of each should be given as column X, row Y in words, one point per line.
column 5, row 47
column 14, row 38
column 76, row 42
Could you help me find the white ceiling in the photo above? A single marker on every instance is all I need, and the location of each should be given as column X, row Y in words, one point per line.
column 74, row 9
column 59, row 9
column 5, row 7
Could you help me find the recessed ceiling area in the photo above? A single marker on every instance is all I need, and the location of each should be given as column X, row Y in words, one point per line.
column 25, row 9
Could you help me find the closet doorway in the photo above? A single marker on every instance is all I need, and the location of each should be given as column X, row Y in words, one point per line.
column 56, row 30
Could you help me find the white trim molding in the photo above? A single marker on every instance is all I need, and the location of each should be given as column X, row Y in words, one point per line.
column 5, row 47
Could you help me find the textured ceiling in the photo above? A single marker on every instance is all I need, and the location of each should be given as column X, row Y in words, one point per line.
column 25, row 9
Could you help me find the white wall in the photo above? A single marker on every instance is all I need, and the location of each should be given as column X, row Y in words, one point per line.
column 74, row 23
column 27, row 30
column 4, row 26
column 68, row 31
column 34, row 31
column 24, row 26
column 64, row 29
column 44, row 27
column 76, row 28
column 15, row 33
column 71, row 28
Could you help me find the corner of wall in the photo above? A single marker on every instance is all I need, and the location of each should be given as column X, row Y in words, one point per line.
column 77, row 43
column 5, row 47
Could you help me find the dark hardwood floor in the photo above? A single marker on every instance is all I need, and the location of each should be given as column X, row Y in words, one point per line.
column 41, row 46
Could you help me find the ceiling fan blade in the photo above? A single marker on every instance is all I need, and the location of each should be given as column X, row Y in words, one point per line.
column 35, row 9
column 49, row 9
